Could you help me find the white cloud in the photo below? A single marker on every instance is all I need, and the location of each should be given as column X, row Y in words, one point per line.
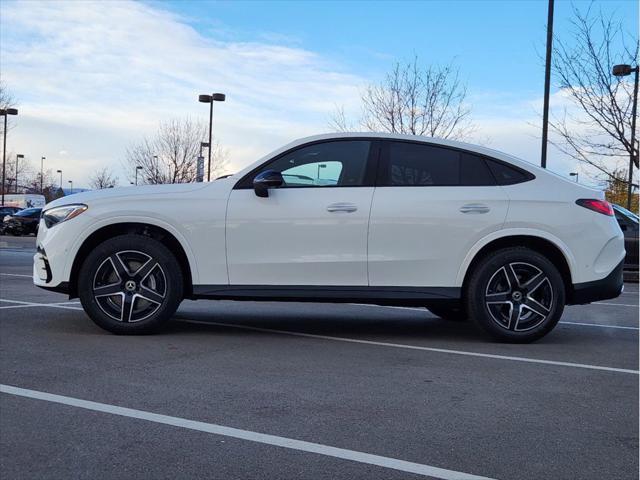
column 93, row 76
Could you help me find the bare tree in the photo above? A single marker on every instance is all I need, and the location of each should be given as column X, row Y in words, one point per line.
column 415, row 100
column 103, row 178
column 7, row 100
column 171, row 155
column 596, row 128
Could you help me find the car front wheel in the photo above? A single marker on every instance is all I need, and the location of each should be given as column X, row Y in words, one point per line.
column 130, row 284
column 516, row 295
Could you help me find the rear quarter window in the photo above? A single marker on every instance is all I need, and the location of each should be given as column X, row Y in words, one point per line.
column 508, row 174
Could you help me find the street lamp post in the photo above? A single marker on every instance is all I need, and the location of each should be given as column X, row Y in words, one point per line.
column 623, row 71
column 547, row 85
column 215, row 97
column 155, row 170
column 60, row 172
column 4, row 112
column 138, row 167
column 71, row 187
column 574, row 174
column 18, row 157
column 200, row 165
column 42, row 173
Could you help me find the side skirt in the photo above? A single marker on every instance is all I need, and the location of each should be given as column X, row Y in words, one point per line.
column 400, row 296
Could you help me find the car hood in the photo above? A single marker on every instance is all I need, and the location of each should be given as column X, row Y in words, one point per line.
column 133, row 192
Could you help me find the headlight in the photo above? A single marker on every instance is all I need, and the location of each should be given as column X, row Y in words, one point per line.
column 56, row 215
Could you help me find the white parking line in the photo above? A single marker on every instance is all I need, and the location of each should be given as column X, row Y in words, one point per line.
column 68, row 306
column 621, row 327
column 16, row 275
column 18, row 306
column 284, row 442
column 34, row 305
column 616, row 304
column 416, row 347
column 65, row 305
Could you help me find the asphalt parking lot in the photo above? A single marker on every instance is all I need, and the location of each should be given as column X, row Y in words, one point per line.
column 294, row 391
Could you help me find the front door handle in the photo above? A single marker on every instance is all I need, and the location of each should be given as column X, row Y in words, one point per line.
column 342, row 207
column 474, row 208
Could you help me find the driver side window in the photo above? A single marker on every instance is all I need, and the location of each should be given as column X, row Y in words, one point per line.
column 328, row 164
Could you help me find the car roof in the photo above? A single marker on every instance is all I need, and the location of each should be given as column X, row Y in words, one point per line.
column 398, row 136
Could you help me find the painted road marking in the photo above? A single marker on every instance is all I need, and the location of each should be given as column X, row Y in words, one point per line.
column 16, row 275
column 599, row 325
column 65, row 305
column 616, row 304
column 284, row 442
column 416, row 347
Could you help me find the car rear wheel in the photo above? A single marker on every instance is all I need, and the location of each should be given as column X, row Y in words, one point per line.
column 130, row 284
column 516, row 295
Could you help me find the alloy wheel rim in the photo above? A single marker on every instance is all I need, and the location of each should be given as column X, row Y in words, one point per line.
column 519, row 296
column 129, row 286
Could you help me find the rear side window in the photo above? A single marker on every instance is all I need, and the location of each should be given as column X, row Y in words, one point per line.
column 415, row 164
column 508, row 175
column 474, row 171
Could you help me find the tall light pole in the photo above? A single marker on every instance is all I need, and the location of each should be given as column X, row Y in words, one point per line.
column 547, row 86
column 71, row 188
column 623, row 71
column 200, row 166
column 18, row 157
column 138, row 167
column 574, row 174
column 155, row 170
column 214, row 97
column 5, row 112
column 41, row 173
column 60, row 172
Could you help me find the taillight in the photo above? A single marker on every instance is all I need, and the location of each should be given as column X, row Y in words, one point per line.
column 600, row 206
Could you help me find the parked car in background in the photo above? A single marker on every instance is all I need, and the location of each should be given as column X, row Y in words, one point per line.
column 24, row 200
column 628, row 222
column 24, row 222
column 360, row 218
column 6, row 210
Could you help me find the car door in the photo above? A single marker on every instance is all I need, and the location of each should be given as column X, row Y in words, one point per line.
column 431, row 205
column 312, row 230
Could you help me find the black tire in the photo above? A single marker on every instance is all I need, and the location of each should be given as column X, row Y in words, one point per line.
column 450, row 313
column 144, row 289
column 516, row 295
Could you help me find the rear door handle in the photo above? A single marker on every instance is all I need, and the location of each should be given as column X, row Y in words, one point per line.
column 342, row 207
column 474, row 208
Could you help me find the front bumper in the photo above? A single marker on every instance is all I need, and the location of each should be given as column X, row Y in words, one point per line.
column 609, row 287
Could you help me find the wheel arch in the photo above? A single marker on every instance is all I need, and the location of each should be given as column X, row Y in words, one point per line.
column 549, row 247
column 105, row 232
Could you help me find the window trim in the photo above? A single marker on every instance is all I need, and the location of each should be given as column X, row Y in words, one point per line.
column 384, row 163
column 370, row 170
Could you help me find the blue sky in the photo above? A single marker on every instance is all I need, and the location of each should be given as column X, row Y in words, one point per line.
column 497, row 44
column 92, row 77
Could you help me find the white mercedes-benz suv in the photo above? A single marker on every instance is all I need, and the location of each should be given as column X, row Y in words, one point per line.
column 462, row 230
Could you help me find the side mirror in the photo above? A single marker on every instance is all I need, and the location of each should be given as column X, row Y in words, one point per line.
column 266, row 180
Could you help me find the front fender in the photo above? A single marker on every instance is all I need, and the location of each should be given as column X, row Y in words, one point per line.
column 156, row 222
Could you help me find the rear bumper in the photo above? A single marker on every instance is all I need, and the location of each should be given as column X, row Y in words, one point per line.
column 610, row 286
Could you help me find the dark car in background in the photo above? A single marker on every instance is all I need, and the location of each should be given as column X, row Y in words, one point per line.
column 628, row 222
column 7, row 210
column 24, row 222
